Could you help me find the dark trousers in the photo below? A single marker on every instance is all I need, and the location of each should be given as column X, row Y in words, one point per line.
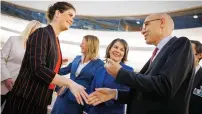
column 4, row 97
column 19, row 105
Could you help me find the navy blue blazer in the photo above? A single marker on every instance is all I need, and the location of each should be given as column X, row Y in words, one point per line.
column 85, row 77
column 103, row 79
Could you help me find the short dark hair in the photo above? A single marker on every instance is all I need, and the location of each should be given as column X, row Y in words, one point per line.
column 125, row 45
column 198, row 47
column 61, row 6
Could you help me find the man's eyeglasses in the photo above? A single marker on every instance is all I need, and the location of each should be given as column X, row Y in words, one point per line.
column 148, row 22
column 152, row 20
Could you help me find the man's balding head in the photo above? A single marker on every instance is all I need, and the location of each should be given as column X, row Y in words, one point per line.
column 157, row 27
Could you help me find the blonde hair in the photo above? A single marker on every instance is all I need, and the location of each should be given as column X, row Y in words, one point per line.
column 27, row 31
column 92, row 46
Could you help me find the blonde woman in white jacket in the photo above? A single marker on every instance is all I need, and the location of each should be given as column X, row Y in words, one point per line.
column 12, row 54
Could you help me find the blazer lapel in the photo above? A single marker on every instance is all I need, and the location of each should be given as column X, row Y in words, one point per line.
column 146, row 66
column 160, row 54
column 75, row 65
column 100, row 77
column 60, row 52
column 85, row 68
column 51, row 33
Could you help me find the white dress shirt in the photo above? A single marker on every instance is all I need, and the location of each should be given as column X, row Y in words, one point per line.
column 197, row 68
column 161, row 44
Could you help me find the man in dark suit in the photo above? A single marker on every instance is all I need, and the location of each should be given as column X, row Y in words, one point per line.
column 196, row 96
column 163, row 86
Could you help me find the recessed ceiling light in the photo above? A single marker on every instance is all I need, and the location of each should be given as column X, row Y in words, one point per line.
column 138, row 22
column 195, row 16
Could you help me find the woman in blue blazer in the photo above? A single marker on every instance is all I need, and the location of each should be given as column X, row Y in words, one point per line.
column 117, row 51
column 82, row 70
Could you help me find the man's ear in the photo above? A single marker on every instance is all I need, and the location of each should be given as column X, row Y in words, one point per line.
column 163, row 21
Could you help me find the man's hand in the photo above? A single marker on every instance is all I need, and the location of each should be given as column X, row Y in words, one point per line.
column 101, row 95
column 9, row 83
column 112, row 67
column 79, row 92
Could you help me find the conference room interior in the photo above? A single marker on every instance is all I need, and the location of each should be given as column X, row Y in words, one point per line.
column 107, row 20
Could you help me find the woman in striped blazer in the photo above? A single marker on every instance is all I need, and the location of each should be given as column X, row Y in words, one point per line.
column 33, row 89
column 11, row 59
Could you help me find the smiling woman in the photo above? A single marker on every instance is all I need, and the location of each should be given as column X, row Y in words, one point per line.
column 82, row 70
column 33, row 89
column 117, row 50
column 65, row 12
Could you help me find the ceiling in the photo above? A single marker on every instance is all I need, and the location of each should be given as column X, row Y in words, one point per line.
column 115, row 8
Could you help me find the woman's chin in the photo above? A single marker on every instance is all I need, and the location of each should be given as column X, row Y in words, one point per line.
column 116, row 60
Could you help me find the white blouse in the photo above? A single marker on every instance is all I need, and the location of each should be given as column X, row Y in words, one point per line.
column 81, row 66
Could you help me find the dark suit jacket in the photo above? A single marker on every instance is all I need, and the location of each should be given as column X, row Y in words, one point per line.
column 164, row 87
column 37, row 70
column 195, row 106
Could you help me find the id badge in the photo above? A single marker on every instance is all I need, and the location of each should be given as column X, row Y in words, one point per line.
column 198, row 92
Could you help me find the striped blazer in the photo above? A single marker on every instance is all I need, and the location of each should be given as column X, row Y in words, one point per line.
column 37, row 70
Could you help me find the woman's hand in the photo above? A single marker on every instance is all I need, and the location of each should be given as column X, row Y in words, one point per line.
column 64, row 61
column 79, row 92
column 9, row 83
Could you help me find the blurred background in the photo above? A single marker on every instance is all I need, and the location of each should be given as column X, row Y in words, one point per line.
column 107, row 20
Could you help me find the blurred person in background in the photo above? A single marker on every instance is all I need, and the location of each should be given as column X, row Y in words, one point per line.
column 12, row 54
column 82, row 70
column 117, row 50
column 196, row 96
column 33, row 88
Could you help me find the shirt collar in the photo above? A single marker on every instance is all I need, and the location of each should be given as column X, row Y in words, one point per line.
column 82, row 59
column 163, row 42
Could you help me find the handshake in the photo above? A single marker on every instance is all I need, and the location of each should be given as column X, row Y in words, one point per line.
column 100, row 95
